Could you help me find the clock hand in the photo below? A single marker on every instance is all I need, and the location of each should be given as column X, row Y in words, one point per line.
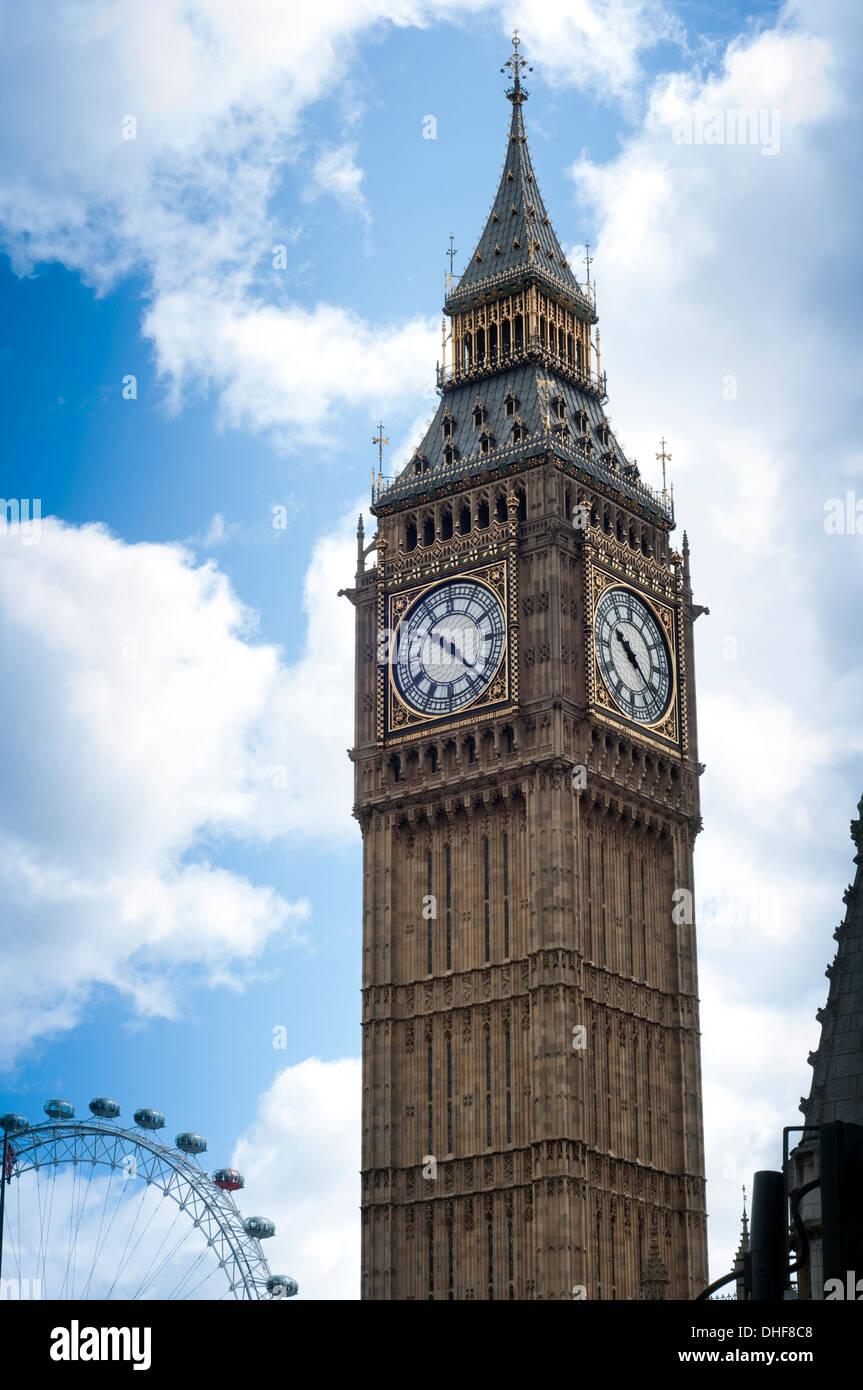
column 454, row 651
column 633, row 659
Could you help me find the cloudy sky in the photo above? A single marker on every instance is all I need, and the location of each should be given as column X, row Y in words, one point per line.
column 224, row 236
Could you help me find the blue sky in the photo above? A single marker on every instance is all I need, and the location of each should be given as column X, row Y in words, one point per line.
column 150, row 778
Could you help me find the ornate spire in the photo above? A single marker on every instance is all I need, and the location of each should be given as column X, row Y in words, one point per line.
column 519, row 382
column 518, row 236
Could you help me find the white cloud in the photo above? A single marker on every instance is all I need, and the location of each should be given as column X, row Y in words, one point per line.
column 335, row 172
column 216, row 533
column 143, row 721
column 301, row 1162
column 285, row 371
column 169, row 130
column 597, row 45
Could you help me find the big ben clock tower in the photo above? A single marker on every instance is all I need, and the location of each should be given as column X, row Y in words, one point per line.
column 527, row 788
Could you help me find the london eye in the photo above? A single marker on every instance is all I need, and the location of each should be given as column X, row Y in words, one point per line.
column 92, row 1210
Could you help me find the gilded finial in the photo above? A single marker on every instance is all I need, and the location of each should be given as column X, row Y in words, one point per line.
column 666, row 458
column 379, row 439
column 517, row 65
column 452, row 253
column 543, row 386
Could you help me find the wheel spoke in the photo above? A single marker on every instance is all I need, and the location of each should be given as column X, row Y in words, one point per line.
column 67, row 1224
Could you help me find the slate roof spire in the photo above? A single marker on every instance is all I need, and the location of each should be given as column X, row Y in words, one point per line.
column 518, row 237
column 518, row 382
column 837, row 1062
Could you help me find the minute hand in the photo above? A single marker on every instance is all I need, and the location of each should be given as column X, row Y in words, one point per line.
column 454, row 651
column 633, row 659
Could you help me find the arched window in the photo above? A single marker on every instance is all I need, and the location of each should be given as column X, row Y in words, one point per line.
column 492, row 342
column 508, row 736
column 519, row 332
column 500, row 508
column 411, row 536
column 428, row 531
column 446, row 526
column 506, row 337
column 482, row 517
column 522, row 504
column 464, row 521
column 469, row 747
column 480, row 345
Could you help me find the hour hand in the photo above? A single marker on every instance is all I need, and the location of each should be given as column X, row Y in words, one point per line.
column 633, row 660
column 455, row 651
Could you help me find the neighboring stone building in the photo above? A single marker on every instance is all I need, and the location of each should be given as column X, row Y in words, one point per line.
column 526, row 782
column 837, row 1063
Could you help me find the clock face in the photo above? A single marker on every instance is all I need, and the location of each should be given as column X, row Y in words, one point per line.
column 448, row 647
column 633, row 655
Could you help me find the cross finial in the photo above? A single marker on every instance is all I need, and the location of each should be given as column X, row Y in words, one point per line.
column 517, row 65
column 380, row 439
column 452, row 253
column 666, row 458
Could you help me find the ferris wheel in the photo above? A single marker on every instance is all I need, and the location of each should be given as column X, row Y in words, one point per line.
column 89, row 1210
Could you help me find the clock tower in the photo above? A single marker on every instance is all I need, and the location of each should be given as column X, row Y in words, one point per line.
column 526, row 783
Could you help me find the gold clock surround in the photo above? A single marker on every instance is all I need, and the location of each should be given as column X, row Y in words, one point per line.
column 669, row 728
column 400, row 721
